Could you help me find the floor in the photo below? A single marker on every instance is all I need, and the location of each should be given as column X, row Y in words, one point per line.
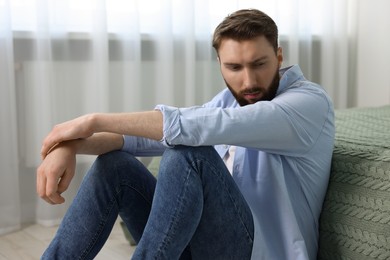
column 31, row 241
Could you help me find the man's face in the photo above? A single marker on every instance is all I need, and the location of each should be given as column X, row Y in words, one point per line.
column 250, row 69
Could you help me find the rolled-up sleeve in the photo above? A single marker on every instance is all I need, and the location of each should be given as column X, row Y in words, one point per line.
column 129, row 144
column 286, row 125
column 171, row 123
column 140, row 146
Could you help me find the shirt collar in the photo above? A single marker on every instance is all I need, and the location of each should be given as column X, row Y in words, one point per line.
column 289, row 76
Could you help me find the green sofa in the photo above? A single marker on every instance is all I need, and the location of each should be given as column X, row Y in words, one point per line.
column 355, row 220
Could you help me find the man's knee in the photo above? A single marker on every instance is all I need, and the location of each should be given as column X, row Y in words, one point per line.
column 108, row 158
column 115, row 159
column 181, row 151
column 181, row 157
column 120, row 169
column 112, row 163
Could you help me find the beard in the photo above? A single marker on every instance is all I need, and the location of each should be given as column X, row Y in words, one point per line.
column 267, row 94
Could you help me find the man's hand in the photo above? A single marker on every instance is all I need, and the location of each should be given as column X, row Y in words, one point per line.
column 56, row 172
column 81, row 127
column 89, row 134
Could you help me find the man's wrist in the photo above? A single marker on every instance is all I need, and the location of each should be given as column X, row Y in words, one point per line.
column 92, row 123
column 101, row 122
column 73, row 145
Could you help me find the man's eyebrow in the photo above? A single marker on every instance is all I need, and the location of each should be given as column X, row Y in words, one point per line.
column 261, row 59
column 230, row 63
column 264, row 58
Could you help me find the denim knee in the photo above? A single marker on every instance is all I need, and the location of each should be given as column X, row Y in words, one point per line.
column 113, row 162
column 188, row 154
column 114, row 159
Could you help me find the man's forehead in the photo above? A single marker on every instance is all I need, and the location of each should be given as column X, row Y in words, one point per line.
column 249, row 50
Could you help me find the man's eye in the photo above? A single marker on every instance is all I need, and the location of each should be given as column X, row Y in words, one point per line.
column 259, row 64
column 234, row 68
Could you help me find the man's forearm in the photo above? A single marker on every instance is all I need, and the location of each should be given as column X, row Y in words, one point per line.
column 109, row 128
column 101, row 133
column 144, row 124
column 98, row 143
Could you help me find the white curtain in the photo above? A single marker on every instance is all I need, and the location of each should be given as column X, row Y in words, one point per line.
column 61, row 59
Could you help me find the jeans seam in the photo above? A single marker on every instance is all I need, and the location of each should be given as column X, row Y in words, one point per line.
column 101, row 226
column 103, row 221
column 176, row 214
column 218, row 174
column 136, row 190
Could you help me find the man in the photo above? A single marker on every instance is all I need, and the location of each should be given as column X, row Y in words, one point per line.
column 242, row 177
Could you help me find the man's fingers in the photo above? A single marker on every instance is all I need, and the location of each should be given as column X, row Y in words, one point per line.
column 41, row 187
column 47, row 188
column 65, row 181
column 40, row 183
column 55, row 173
column 52, row 190
column 47, row 147
column 56, row 198
column 52, row 140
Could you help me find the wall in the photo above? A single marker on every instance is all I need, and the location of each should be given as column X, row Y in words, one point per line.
column 373, row 53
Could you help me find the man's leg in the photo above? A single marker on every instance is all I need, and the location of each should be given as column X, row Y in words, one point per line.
column 116, row 183
column 196, row 202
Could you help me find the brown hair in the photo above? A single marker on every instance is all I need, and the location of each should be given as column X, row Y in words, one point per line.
column 246, row 24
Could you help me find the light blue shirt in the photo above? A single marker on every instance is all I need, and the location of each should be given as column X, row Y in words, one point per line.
column 281, row 164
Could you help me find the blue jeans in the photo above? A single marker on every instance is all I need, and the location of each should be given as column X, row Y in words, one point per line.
column 194, row 211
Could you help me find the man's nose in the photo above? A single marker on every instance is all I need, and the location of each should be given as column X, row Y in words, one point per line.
column 249, row 78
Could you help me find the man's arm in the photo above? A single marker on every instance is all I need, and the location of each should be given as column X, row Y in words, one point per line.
column 91, row 134
column 143, row 124
column 97, row 144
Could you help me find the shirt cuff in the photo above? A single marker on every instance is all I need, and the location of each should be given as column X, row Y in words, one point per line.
column 129, row 144
column 171, row 125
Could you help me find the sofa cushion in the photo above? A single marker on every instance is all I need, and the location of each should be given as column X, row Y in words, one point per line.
column 355, row 221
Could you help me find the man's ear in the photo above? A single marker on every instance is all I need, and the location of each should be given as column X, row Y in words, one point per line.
column 279, row 55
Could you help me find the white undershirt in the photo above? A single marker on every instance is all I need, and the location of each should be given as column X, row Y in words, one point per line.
column 228, row 159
